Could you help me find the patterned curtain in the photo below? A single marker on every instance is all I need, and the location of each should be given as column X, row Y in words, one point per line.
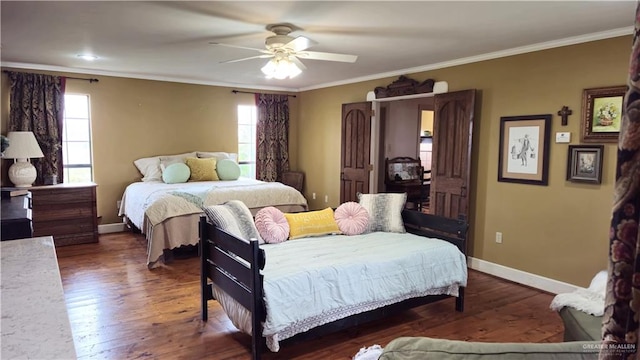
column 272, row 136
column 37, row 105
column 622, row 303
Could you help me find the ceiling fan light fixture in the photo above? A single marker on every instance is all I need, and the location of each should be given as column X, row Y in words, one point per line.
column 281, row 68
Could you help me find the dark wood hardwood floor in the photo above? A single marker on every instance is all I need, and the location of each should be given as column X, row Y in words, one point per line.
column 120, row 310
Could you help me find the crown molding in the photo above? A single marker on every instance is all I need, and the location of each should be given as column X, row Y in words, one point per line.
column 488, row 56
column 462, row 61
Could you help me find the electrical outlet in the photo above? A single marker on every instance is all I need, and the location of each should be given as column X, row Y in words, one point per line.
column 313, row 196
column 499, row 237
column 326, row 198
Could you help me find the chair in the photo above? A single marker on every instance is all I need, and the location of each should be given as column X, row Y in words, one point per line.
column 425, row 191
column 295, row 179
column 406, row 175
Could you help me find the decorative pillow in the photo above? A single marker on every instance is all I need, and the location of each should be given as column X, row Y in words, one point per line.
column 312, row 223
column 228, row 169
column 272, row 225
column 352, row 218
column 176, row 173
column 385, row 211
column 235, row 218
column 202, row 169
column 150, row 167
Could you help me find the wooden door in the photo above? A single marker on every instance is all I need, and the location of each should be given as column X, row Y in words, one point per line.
column 356, row 150
column 451, row 161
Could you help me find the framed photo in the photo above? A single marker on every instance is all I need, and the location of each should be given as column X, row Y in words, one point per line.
column 584, row 163
column 602, row 113
column 524, row 149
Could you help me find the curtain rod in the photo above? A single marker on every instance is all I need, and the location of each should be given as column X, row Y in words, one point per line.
column 67, row 77
column 251, row 92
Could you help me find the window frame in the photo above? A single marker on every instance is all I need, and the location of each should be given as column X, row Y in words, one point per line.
column 65, row 142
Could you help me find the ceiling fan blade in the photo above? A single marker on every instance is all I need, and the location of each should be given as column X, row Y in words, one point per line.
column 315, row 55
column 240, row 47
column 298, row 63
column 300, row 43
column 247, row 58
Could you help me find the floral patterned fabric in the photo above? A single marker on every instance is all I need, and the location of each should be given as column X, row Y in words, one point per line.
column 272, row 150
column 37, row 105
column 622, row 303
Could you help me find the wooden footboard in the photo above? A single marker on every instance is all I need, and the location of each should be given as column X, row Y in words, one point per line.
column 234, row 266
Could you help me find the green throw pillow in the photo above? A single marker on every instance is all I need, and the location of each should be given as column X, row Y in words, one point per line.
column 176, row 173
column 228, row 169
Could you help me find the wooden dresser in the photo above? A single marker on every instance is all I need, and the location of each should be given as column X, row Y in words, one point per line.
column 65, row 211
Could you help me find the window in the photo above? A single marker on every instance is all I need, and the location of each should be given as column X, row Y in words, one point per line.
column 76, row 139
column 247, row 140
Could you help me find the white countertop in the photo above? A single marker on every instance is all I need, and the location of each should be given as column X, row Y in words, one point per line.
column 35, row 323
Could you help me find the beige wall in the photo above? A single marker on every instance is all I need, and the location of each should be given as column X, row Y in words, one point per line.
column 133, row 118
column 558, row 231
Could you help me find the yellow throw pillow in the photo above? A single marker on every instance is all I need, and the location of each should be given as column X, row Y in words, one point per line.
column 312, row 223
column 202, row 169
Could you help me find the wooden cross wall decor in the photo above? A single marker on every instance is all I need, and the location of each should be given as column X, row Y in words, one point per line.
column 564, row 114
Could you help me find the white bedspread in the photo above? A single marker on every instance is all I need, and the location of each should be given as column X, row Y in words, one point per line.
column 160, row 201
column 313, row 281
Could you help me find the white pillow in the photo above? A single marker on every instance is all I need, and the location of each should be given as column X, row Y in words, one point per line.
column 150, row 167
column 218, row 155
column 167, row 160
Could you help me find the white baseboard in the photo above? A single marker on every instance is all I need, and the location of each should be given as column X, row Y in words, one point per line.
column 111, row 228
column 521, row 277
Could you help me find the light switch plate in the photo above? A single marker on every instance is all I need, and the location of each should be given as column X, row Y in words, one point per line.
column 563, row 137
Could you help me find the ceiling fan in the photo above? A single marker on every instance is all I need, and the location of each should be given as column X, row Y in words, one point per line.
column 285, row 53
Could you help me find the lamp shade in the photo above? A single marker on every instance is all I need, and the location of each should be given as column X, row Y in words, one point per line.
column 22, row 145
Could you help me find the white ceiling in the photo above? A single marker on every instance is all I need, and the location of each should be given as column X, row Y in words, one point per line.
column 169, row 40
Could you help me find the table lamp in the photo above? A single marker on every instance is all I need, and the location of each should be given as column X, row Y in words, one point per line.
column 22, row 147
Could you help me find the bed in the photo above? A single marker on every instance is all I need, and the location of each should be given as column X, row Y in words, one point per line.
column 345, row 280
column 168, row 213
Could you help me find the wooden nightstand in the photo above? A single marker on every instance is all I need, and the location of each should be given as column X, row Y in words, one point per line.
column 65, row 211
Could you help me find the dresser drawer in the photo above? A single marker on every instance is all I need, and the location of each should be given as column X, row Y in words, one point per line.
column 74, row 239
column 62, row 227
column 52, row 196
column 63, row 212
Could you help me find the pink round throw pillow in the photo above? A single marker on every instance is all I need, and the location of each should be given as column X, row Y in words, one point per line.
column 352, row 218
column 272, row 225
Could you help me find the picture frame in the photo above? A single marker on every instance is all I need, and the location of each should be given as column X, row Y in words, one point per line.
column 584, row 163
column 524, row 149
column 602, row 113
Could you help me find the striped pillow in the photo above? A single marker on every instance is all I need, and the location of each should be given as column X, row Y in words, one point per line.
column 385, row 211
column 235, row 218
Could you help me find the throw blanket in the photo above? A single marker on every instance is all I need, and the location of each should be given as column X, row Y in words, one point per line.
column 590, row 300
column 160, row 201
column 370, row 353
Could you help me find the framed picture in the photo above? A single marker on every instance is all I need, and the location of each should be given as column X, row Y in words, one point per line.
column 602, row 113
column 584, row 163
column 524, row 149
